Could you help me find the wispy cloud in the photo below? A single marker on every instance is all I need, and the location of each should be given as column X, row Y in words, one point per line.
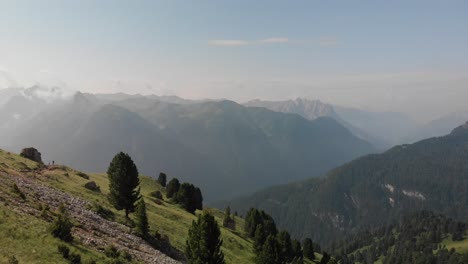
column 241, row 42
column 327, row 41
column 228, row 42
column 321, row 41
column 274, row 40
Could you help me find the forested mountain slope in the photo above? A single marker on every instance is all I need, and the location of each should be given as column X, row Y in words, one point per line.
column 421, row 237
column 373, row 190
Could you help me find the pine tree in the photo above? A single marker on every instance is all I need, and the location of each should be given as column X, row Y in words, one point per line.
column 185, row 197
column 142, row 225
column 297, row 250
column 325, row 258
column 204, row 245
column 162, row 179
column 228, row 221
column 308, row 249
column 172, row 187
column 284, row 241
column 198, row 198
column 270, row 252
column 252, row 219
column 259, row 239
column 123, row 181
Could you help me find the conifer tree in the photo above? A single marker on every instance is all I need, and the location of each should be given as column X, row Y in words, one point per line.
column 142, row 225
column 297, row 250
column 284, row 241
column 198, row 198
column 228, row 221
column 252, row 219
column 185, row 197
column 162, row 179
column 308, row 249
column 204, row 244
column 270, row 252
column 123, row 183
column 172, row 187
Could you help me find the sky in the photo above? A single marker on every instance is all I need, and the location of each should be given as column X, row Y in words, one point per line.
column 408, row 56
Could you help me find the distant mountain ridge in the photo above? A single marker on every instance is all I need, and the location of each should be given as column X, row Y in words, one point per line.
column 309, row 109
column 369, row 191
column 383, row 130
column 225, row 148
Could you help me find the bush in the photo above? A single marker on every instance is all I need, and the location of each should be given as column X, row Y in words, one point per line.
column 17, row 191
column 126, row 256
column 111, row 252
column 12, row 260
column 62, row 226
column 157, row 195
column 74, row 258
column 103, row 212
column 161, row 243
column 83, row 175
column 64, row 251
column 44, row 209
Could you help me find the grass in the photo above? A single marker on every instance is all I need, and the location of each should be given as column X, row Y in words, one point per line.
column 459, row 246
column 28, row 239
column 164, row 217
column 33, row 243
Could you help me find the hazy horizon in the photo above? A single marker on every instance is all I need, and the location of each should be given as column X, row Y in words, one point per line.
column 408, row 57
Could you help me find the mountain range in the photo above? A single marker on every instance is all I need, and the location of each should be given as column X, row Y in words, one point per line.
column 372, row 190
column 207, row 142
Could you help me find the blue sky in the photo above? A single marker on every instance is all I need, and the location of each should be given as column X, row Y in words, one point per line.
column 379, row 55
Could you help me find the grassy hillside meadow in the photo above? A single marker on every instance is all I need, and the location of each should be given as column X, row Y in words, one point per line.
column 28, row 239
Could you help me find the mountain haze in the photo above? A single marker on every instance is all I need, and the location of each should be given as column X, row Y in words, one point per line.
column 207, row 143
column 369, row 191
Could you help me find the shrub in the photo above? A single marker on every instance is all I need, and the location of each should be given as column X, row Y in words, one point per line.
column 74, row 258
column 62, row 226
column 157, row 195
column 12, row 260
column 64, row 251
column 103, row 212
column 17, row 191
column 111, row 252
column 83, row 175
column 160, row 242
column 126, row 256
column 44, row 209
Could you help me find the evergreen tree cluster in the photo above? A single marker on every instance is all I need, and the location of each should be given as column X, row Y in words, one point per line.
column 271, row 246
column 204, row 244
column 372, row 190
column 186, row 194
column 415, row 238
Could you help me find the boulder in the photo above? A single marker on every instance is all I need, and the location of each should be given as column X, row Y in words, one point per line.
column 32, row 154
column 92, row 186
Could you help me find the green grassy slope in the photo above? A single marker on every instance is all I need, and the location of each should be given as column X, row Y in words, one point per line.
column 33, row 242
